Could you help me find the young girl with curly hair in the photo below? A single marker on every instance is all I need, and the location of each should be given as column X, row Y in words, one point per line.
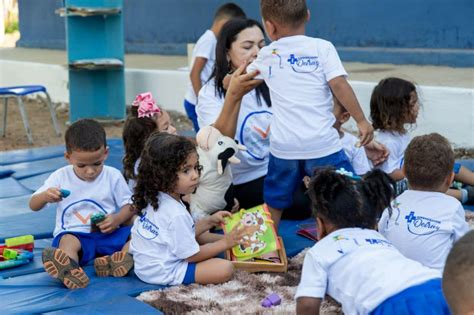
column 355, row 264
column 394, row 106
column 164, row 245
column 145, row 117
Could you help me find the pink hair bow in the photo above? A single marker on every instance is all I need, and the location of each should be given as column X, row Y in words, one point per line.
column 146, row 105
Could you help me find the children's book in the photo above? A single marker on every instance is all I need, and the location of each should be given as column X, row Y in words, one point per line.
column 308, row 230
column 261, row 237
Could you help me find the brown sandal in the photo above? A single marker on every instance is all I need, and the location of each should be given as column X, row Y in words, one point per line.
column 118, row 264
column 60, row 266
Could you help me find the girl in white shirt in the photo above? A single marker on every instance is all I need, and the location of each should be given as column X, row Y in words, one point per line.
column 145, row 117
column 355, row 264
column 393, row 107
column 164, row 246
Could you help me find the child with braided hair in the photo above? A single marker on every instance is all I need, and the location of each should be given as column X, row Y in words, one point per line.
column 355, row 264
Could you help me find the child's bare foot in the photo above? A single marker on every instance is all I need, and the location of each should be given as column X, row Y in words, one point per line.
column 118, row 264
column 59, row 265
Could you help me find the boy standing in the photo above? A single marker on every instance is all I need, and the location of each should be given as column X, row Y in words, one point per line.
column 204, row 55
column 301, row 72
column 426, row 221
column 94, row 188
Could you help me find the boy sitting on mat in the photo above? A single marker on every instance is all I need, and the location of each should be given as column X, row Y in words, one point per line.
column 94, row 188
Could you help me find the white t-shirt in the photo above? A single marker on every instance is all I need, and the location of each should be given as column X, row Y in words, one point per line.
column 359, row 269
column 356, row 155
column 106, row 194
column 204, row 48
column 424, row 226
column 396, row 143
column 253, row 128
column 162, row 240
column 297, row 70
column 131, row 182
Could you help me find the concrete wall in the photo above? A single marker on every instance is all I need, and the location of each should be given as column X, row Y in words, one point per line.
column 438, row 32
column 168, row 87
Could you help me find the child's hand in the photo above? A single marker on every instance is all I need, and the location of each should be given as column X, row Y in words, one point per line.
column 366, row 132
column 218, row 218
column 235, row 236
column 376, row 152
column 109, row 224
column 53, row 194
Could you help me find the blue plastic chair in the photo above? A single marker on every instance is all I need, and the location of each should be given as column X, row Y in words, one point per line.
column 18, row 92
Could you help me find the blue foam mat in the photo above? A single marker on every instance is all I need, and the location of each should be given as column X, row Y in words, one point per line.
column 34, row 182
column 40, row 224
column 13, row 206
column 28, row 169
column 10, row 187
column 34, row 267
column 118, row 305
column 49, row 295
column 30, row 155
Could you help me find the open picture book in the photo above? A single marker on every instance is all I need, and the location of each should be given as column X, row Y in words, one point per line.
column 261, row 237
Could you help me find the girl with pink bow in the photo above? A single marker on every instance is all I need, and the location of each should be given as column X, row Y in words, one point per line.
column 145, row 117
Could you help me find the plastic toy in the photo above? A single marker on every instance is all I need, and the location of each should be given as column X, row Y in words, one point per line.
column 20, row 243
column 96, row 218
column 21, row 257
column 351, row 175
column 270, row 300
column 65, row 193
column 19, row 240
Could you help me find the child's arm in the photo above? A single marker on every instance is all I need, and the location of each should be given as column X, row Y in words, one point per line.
column 211, row 250
column 38, row 201
column 307, row 305
column 397, row 175
column 195, row 74
column 344, row 93
column 113, row 221
column 208, row 237
column 208, row 223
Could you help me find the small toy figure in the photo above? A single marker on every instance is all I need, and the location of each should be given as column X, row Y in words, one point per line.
column 96, row 218
column 65, row 193
column 270, row 300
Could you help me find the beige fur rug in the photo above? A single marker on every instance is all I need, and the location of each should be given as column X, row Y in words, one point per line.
column 242, row 295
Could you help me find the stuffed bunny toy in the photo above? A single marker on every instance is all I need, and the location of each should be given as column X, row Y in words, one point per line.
column 214, row 192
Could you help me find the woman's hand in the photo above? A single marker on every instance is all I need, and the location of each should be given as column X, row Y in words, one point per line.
column 241, row 83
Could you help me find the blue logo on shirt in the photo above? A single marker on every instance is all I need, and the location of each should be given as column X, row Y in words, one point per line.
column 305, row 64
column 147, row 229
column 419, row 225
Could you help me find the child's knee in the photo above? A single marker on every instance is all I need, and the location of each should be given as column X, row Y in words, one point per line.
column 227, row 270
column 69, row 241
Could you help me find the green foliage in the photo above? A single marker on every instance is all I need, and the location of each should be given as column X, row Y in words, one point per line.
column 12, row 27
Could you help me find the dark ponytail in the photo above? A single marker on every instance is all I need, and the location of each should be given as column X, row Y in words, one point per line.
column 347, row 203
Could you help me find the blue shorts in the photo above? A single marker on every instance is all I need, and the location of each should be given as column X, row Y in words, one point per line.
column 426, row 298
column 191, row 112
column 190, row 276
column 284, row 176
column 456, row 167
column 97, row 243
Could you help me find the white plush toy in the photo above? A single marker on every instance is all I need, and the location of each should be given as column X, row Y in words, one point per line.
column 215, row 152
